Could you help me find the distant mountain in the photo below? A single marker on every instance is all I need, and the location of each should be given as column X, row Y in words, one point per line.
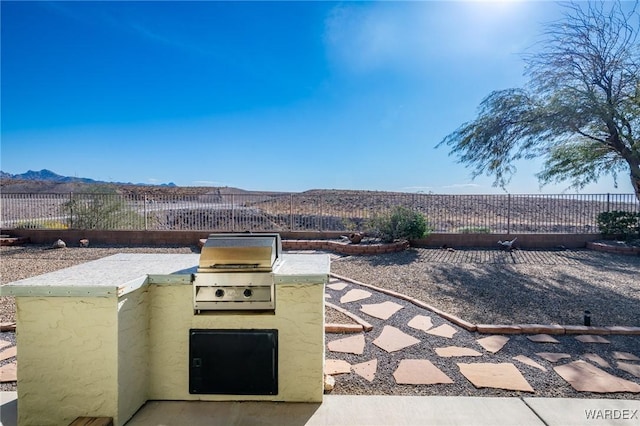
column 49, row 176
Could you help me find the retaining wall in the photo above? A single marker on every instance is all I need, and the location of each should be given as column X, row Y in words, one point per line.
column 73, row 236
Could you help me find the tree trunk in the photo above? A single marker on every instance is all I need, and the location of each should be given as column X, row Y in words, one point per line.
column 635, row 182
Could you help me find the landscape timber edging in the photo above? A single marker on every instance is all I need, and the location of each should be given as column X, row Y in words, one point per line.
column 345, row 247
column 629, row 251
column 502, row 328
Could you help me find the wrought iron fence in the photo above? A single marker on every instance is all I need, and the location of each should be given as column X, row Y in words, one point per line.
column 325, row 211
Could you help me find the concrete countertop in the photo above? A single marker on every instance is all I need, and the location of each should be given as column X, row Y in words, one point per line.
column 120, row 274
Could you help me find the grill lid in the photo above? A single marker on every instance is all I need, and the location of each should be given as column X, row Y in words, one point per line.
column 240, row 253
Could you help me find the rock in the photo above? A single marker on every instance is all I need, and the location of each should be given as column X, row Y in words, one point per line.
column 355, row 237
column 59, row 244
column 84, row 242
column 329, row 383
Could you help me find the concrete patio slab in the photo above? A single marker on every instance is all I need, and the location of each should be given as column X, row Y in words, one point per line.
column 579, row 412
column 9, row 408
column 342, row 410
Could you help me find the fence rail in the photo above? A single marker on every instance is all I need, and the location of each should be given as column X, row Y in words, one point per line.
column 331, row 211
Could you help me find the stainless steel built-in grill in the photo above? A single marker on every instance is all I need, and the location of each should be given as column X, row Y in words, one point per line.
column 235, row 272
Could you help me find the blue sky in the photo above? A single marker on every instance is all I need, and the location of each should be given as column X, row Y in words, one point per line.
column 279, row 96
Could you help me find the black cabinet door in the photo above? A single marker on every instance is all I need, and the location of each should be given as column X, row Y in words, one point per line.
column 233, row 362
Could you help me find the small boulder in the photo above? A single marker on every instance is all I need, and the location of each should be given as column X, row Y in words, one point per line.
column 58, row 244
column 355, row 237
column 329, row 383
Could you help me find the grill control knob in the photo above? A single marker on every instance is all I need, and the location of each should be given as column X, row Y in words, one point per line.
column 219, row 292
column 247, row 292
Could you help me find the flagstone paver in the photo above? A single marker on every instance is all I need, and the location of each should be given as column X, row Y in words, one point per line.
column 553, row 356
column 327, row 296
column 355, row 295
column 366, row 369
column 419, row 372
column 352, row 345
column 543, row 338
column 528, row 361
column 493, row 343
column 4, row 344
column 626, row 356
column 337, row 286
column 336, row 366
column 445, row 330
column 453, row 351
column 8, row 372
column 598, row 360
column 498, row 373
column 588, row 338
column 421, row 322
column 630, row 368
column 499, row 376
column 585, row 377
column 381, row 310
column 8, row 353
column 392, row 339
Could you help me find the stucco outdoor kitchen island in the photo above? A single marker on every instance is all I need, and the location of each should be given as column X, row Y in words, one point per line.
column 103, row 337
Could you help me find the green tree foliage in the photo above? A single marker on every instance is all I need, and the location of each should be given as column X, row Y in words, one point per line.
column 580, row 109
column 619, row 223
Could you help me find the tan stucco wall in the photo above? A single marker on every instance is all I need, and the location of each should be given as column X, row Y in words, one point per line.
column 67, row 363
column 300, row 324
column 133, row 350
column 106, row 356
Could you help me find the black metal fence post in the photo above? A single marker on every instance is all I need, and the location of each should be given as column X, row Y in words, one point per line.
column 508, row 214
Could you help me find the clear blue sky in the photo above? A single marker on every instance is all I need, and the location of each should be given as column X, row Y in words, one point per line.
column 260, row 95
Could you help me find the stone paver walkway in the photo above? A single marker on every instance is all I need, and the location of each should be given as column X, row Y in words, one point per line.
column 410, row 346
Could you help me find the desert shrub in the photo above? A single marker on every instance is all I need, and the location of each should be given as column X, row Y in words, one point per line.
column 400, row 224
column 101, row 209
column 41, row 224
column 620, row 224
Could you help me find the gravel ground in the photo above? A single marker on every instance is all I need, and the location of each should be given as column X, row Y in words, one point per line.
column 545, row 384
column 546, row 286
column 518, row 287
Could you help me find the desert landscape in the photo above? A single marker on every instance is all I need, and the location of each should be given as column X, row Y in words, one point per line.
column 42, row 204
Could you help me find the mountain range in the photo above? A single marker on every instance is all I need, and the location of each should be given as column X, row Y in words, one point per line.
column 49, row 176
